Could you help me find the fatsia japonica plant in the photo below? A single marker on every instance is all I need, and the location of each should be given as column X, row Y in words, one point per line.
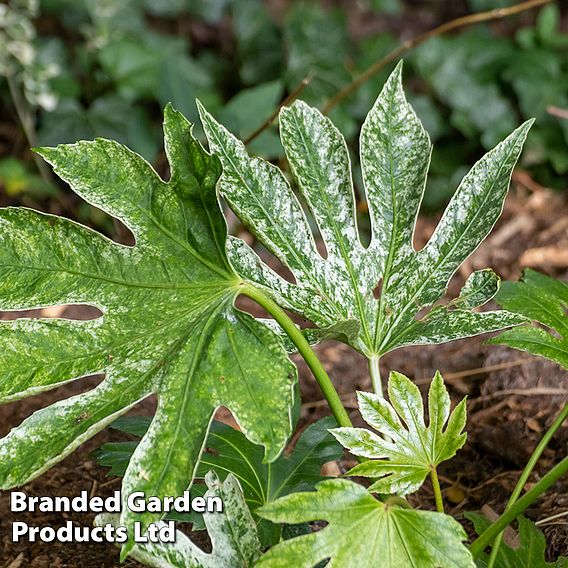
column 169, row 327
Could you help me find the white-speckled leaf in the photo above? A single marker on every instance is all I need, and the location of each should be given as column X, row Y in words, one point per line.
column 479, row 288
column 395, row 153
column 363, row 532
column 402, row 459
column 168, row 327
column 233, row 535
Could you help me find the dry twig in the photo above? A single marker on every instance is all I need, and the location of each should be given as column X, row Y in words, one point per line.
column 557, row 111
column 448, row 377
column 496, row 14
column 287, row 101
column 395, row 54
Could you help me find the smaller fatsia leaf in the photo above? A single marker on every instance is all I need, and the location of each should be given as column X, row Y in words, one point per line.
column 409, row 450
column 544, row 300
column 232, row 532
column 479, row 288
column 529, row 554
column 363, row 532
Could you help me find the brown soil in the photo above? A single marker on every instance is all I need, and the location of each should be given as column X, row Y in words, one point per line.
column 513, row 398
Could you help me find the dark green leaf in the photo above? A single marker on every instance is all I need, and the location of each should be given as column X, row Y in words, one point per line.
column 108, row 117
column 544, row 300
column 227, row 450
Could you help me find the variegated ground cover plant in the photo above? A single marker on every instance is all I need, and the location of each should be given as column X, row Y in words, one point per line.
column 169, row 327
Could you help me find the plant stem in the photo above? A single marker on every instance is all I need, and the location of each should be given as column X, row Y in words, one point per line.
column 485, row 538
column 27, row 122
column 421, row 38
column 437, row 490
column 305, row 351
column 526, row 474
column 375, row 372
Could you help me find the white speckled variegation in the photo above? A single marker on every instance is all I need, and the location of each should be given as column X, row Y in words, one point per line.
column 168, row 326
column 409, row 450
column 363, row 532
column 233, row 535
column 544, row 301
column 332, row 291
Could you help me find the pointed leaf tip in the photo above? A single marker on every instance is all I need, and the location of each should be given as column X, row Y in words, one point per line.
column 169, row 326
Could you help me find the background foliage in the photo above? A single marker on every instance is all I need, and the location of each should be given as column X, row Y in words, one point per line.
column 107, row 68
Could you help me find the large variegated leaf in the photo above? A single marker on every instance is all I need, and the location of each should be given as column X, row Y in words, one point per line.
column 339, row 288
column 409, row 450
column 233, row 535
column 168, row 327
column 545, row 301
column 363, row 532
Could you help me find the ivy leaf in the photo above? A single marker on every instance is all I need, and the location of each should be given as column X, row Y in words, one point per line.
column 530, row 553
column 395, row 153
column 363, row 532
column 403, row 458
column 232, row 532
column 169, row 325
column 544, row 300
column 228, row 451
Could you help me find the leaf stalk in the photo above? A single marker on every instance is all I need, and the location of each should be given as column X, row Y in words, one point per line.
column 485, row 538
column 437, row 490
column 375, row 372
column 26, row 118
column 524, row 477
column 305, row 351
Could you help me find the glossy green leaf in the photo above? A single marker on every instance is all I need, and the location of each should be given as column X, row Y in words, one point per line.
column 341, row 286
column 544, row 300
column 233, row 535
column 409, row 450
column 228, row 451
column 168, row 324
column 530, row 552
column 363, row 532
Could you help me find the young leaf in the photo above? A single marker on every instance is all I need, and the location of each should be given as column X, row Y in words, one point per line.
column 395, row 153
column 479, row 288
column 232, row 532
column 544, row 300
column 227, row 450
column 363, row 532
column 529, row 554
column 169, row 325
column 402, row 459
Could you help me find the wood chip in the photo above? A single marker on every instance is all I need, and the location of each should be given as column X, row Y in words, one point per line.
column 17, row 562
column 545, row 257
